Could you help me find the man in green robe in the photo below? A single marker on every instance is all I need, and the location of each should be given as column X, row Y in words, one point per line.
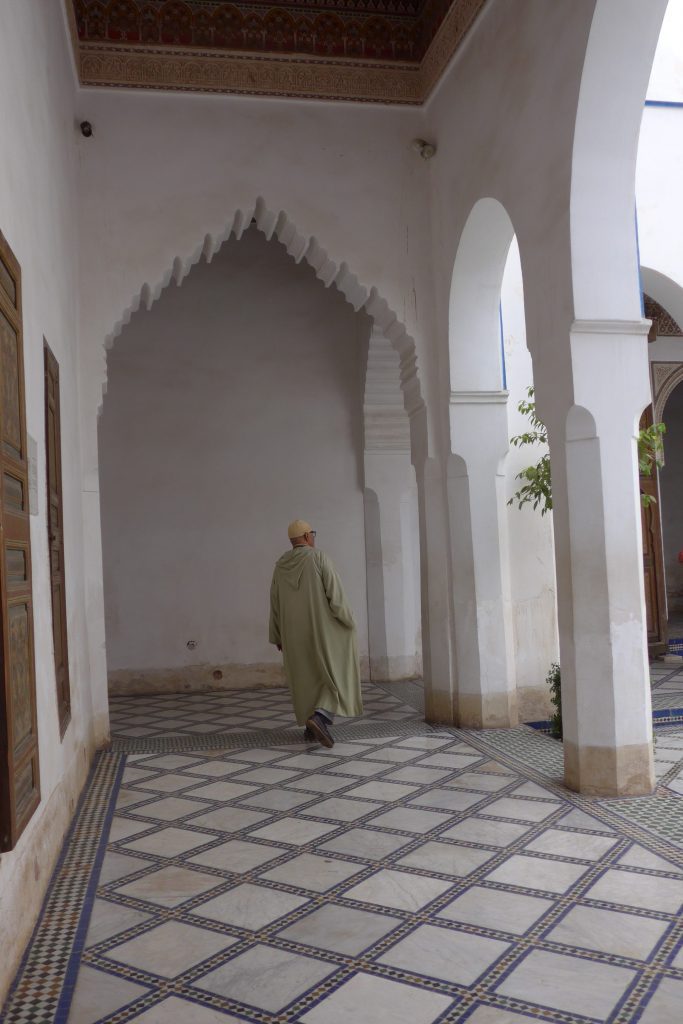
column 311, row 623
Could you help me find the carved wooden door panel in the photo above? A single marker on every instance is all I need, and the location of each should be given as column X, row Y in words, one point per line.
column 53, row 443
column 19, row 776
column 653, row 561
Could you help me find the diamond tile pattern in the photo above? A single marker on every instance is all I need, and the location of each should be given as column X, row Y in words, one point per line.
column 409, row 877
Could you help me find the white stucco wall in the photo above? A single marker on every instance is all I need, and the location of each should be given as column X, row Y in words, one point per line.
column 232, row 407
column 38, row 216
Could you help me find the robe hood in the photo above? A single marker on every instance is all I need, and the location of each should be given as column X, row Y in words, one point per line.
column 291, row 565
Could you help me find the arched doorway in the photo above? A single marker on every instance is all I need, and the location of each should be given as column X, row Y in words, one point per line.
column 234, row 405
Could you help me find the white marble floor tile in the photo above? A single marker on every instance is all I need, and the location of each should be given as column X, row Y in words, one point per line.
column 491, row 833
column 117, row 865
column 267, row 978
column 568, row 983
column 340, row 929
column 294, row 831
column 171, row 948
column 108, row 919
column 521, row 810
column 382, row 790
column 398, row 890
column 534, row 873
column 396, row 755
column 230, row 819
column 169, row 782
column 421, row 776
column 129, row 797
column 131, row 775
column 609, row 931
column 319, row 783
column 492, row 908
column 639, row 857
column 485, row 783
column 457, row 957
column 170, row 808
column 214, row 769
column 531, row 789
column 237, row 855
column 221, row 790
column 309, row 871
column 361, row 769
column 278, row 799
column 256, row 755
column 635, row 890
column 426, row 742
column 341, row 809
column 175, row 1010
column 409, row 819
column 267, row 776
column 98, row 994
column 170, row 886
column 311, row 761
column 567, row 844
column 665, row 1005
column 170, row 842
column 366, row 844
column 494, row 1015
column 579, row 819
column 249, row 906
column 447, row 799
column 368, row 1000
column 122, row 828
column 446, row 858
column 451, row 761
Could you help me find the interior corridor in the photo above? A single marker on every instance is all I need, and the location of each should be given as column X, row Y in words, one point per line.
column 221, row 870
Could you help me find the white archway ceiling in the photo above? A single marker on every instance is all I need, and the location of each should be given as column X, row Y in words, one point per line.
column 393, row 51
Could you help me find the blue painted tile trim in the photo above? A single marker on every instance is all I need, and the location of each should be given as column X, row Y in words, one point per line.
column 73, row 966
column 53, row 878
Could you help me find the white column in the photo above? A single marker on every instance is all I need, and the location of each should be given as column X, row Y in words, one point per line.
column 440, row 687
column 606, row 700
column 482, row 609
column 392, row 558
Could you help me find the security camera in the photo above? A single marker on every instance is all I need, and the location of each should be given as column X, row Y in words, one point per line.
column 86, row 129
column 425, row 149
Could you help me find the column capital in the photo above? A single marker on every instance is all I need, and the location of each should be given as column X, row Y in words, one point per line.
column 479, row 397
column 637, row 327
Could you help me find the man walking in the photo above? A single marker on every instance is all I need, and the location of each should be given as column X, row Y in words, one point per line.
column 311, row 623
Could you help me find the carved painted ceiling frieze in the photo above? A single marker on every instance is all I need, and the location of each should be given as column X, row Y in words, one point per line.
column 390, row 51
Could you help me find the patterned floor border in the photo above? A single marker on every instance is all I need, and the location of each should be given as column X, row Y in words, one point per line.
column 43, row 986
column 658, row 819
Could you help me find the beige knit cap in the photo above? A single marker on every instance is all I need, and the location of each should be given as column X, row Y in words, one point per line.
column 298, row 528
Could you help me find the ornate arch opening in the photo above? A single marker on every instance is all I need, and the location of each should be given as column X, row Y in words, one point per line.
column 302, row 248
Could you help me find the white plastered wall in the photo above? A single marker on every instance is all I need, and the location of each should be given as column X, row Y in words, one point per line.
column 38, row 216
column 339, row 184
column 233, row 406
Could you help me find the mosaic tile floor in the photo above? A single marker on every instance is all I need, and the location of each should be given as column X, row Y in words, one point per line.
column 667, row 689
column 408, row 876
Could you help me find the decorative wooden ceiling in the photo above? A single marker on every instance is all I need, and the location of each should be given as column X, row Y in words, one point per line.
column 387, row 51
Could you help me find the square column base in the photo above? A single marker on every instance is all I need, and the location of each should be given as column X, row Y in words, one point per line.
column 487, row 711
column 609, row 771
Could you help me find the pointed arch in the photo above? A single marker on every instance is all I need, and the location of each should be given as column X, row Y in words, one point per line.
column 278, row 225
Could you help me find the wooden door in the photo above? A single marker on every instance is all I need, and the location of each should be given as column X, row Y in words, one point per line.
column 55, row 532
column 19, row 775
column 653, row 561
